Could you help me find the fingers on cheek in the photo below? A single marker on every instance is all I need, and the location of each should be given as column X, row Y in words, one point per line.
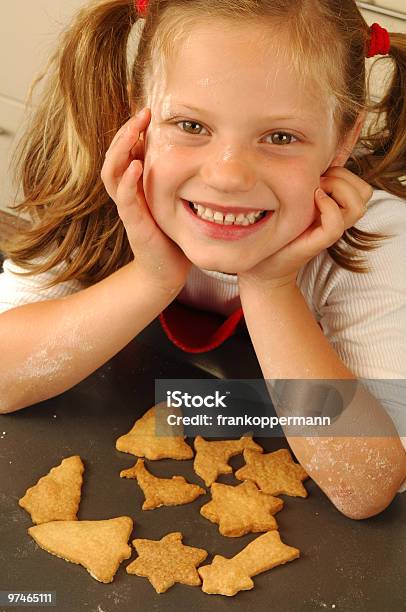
column 137, row 151
column 334, row 217
column 117, row 137
column 324, row 182
column 321, row 196
column 127, row 187
column 365, row 189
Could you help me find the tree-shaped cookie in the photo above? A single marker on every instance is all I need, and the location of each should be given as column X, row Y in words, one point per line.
column 158, row 492
column 229, row 576
column 274, row 473
column 152, row 438
column 212, row 458
column 99, row 546
column 241, row 509
column 56, row 496
column 167, row 561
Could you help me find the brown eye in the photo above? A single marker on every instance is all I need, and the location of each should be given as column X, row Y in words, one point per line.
column 279, row 138
column 191, row 123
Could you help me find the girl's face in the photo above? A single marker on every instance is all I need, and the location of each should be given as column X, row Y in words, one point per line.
column 252, row 141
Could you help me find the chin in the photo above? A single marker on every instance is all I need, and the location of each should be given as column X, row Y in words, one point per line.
column 219, row 264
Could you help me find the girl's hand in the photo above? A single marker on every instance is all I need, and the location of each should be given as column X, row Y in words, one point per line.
column 164, row 263
column 341, row 202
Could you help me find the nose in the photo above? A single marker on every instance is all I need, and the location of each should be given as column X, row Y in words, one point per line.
column 229, row 172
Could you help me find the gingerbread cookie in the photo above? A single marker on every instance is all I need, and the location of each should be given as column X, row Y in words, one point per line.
column 158, row 492
column 99, row 546
column 142, row 440
column 241, row 509
column 56, row 496
column 212, row 457
column 229, row 576
column 274, row 473
column 167, row 561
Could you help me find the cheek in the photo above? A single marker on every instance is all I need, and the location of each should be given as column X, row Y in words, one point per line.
column 307, row 213
column 158, row 149
column 299, row 201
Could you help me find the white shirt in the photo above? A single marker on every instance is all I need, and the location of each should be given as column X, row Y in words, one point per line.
column 362, row 315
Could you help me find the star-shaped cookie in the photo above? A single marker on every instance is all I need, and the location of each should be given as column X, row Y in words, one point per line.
column 56, row 496
column 143, row 439
column 167, row 561
column 229, row 576
column 158, row 492
column 212, row 457
column 241, row 509
column 274, row 473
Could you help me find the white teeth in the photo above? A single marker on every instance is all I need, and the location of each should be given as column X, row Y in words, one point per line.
column 228, row 219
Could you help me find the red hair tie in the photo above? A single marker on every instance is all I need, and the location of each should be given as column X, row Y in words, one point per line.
column 141, row 7
column 379, row 43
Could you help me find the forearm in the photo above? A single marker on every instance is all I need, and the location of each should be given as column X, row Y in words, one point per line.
column 290, row 345
column 280, row 319
column 51, row 346
column 360, row 475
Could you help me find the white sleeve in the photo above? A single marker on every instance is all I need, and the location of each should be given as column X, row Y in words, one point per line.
column 17, row 290
column 364, row 315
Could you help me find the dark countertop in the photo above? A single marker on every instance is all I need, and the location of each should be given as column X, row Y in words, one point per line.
column 344, row 564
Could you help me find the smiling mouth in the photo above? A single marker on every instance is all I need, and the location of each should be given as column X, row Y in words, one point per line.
column 229, row 218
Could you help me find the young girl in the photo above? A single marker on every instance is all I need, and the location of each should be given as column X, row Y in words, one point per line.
column 235, row 191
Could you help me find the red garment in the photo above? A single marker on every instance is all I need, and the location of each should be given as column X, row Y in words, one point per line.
column 197, row 331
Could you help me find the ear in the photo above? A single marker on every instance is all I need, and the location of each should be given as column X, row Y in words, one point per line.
column 344, row 151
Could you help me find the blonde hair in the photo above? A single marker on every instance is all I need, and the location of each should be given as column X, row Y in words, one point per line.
column 86, row 99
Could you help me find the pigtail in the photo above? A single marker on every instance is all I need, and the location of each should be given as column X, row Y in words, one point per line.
column 59, row 159
column 384, row 166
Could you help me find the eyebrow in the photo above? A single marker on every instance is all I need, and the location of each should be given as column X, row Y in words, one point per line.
column 265, row 119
